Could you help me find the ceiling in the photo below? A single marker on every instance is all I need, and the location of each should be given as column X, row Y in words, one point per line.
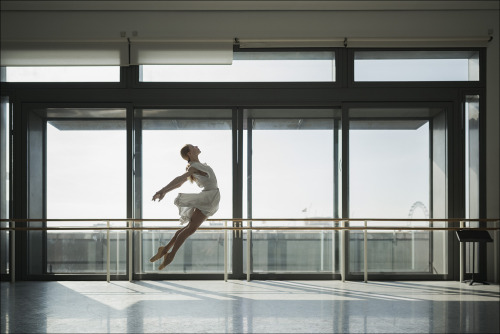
column 244, row 5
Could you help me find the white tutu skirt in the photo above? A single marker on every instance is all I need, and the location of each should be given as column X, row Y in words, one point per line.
column 207, row 202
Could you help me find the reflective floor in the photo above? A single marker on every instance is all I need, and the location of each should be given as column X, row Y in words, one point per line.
column 249, row 307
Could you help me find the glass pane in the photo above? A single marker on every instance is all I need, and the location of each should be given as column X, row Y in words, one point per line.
column 251, row 67
column 63, row 74
column 292, row 176
column 389, row 177
column 472, row 171
column 472, row 156
column 416, row 66
column 5, row 183
column 86, row 179
column 164, row 133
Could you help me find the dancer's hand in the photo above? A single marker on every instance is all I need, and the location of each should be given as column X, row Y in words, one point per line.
column 159, row 195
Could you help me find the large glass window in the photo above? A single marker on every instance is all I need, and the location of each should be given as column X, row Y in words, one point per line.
column 317, row 66
column 390, row 177
column 86, row 179
column 164, row 133
column 416, row 66
column 96, row 163
column 292, row 171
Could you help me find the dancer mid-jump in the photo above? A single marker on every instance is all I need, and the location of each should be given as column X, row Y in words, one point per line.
column 193, row 208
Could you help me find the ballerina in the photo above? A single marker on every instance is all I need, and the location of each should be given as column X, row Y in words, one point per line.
column 193, row 208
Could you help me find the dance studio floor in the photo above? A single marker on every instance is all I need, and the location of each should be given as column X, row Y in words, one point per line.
column 249, row 307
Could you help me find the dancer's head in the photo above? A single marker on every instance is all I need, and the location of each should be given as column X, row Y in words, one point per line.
column 190, row 152
column 184, row 152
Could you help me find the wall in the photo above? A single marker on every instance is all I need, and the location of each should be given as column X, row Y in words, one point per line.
column 492, row 152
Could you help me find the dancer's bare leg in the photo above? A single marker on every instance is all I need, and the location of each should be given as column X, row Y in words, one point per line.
column 162, row 250
column 196, row 220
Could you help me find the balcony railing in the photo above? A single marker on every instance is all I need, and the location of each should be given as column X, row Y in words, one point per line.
column 342, row 226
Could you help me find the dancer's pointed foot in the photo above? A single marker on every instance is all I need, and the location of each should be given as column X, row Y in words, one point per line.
column 158, row 255
column 167, row 260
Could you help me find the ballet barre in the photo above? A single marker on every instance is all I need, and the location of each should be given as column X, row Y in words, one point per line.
column 342, row 227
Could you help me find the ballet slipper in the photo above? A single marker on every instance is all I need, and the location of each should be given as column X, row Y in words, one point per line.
column 168, row 259
column 158, row 255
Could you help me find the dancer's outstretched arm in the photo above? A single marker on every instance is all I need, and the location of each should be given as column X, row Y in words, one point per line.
column 175, row 183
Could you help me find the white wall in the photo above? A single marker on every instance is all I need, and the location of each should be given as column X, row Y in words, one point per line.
column 480, row 18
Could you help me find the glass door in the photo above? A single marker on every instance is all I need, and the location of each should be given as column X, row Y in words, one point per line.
column 160, row 134
column 77, row 170
column 86, row 178
column 292, row 172
column 397, row 169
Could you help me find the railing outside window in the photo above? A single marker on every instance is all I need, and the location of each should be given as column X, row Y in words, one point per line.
column 369, row 227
